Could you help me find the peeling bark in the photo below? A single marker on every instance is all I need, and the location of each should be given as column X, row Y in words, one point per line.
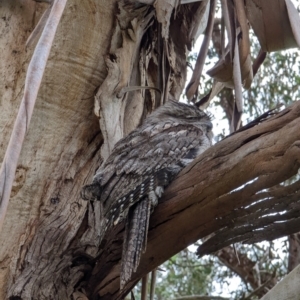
column 110, row 100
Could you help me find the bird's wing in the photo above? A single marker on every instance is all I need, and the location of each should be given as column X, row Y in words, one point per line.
column 143, row 168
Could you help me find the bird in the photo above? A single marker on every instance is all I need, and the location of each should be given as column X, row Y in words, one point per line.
column 141, row 165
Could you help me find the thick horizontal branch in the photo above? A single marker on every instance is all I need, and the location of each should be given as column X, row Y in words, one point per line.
column 226, row 193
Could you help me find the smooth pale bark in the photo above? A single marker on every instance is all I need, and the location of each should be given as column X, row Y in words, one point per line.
column 287, row 288
column 61, row 149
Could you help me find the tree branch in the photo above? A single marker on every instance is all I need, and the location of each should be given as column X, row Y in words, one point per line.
column 245, row 268
column 229, row 191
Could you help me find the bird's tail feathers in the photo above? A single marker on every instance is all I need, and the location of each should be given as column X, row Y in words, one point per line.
column 135, row 239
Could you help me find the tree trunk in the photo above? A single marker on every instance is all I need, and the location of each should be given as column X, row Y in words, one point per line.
column 288, row 288
column 50, row 234
column 294, row 251
column 61, row 149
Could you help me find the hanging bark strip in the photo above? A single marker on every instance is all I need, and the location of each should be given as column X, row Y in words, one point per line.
column 238, row 106
column 192, row 88
column 40, row 25
column 33, row 81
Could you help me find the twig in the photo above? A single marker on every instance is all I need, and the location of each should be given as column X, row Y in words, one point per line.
column 144, row 287
column 260, row 288
column 152, row 285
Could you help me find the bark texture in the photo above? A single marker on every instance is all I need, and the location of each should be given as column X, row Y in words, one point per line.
column 50, row 241
column 45, row 209
column 229, row 192
column 50, row 238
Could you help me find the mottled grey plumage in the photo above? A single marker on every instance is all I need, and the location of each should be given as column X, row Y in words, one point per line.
column 132, row 179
